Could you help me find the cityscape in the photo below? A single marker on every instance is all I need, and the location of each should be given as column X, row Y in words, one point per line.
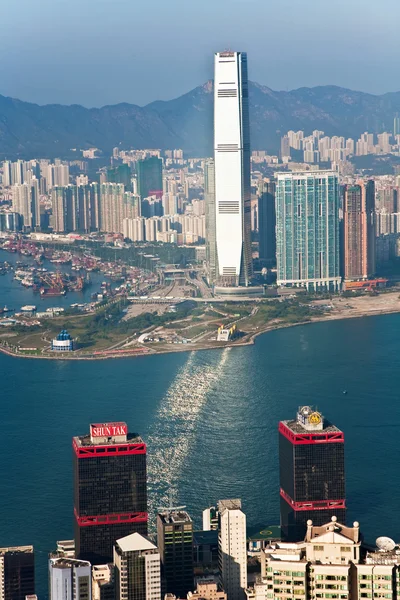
column 144, row 252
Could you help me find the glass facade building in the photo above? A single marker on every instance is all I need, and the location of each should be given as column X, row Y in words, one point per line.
column 110, row 493
column 175, row 543
column 211, row 242
column 17, row 572
column 307, row 230
column 149, row 177
column 312, row 473
column 359, row 230
column 232, row 169
column 267, row 222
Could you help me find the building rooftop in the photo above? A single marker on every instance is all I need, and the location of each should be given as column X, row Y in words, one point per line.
column 88, row 440
column 25, row 549
column 296, row 427
column 230, row 504
column 169, row 517
column 332, row 532
column 135, row 542
column 269, row 532
column 67, row 563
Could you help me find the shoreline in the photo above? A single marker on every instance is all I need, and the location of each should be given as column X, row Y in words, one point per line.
column 247, row 342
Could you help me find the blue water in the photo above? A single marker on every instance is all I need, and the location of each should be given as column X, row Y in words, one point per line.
column 210, row 421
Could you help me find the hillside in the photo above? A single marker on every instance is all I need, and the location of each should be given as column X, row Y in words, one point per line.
column 30, row 130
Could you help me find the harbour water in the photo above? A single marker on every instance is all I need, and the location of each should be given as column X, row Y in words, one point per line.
column 14, row 295
column 210, row 422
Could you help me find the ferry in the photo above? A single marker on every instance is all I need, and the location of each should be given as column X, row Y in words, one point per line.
column 28, row 308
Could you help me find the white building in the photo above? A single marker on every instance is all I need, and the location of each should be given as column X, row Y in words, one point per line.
column 329, row 563
column 137, row 569
column 232, row 169
column 232, row 548
column 69, row 579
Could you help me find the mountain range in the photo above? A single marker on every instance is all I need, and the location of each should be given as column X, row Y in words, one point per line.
column 29, row 130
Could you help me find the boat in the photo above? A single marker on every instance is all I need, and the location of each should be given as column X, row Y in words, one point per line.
column 28, row 308
column 52, row 292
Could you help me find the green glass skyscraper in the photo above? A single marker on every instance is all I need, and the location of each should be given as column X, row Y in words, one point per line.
column 307, row 230
column 149, row 177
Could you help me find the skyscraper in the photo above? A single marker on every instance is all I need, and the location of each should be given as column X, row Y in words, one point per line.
column 64, row 200
column 209, row 197
column 307, row 230
column 149, row 177
column 110, row 492
column 137, row 569
column 69, row 579
column 311, row 467
column 266, row 222
column 88, row 207
column 359, row 230
column 17, row 572
column 232, row 548
column 120, row 174
column 111, row 207
column 22, row 202
column 232, row 169
column 396, row 125
column 175, row 543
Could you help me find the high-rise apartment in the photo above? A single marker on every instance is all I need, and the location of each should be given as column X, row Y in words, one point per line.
column 211, row 242
column 64, row 200
column 232, row 548
column 22, row 203
column 111, row 207
column 266, row 222
column 312, row 474
column 232, row 169
column 110, row 491
column 17, row 572
column 359, row 230
column 175, row 543
column 137, row 569
column 307, row 230
column 69, row 579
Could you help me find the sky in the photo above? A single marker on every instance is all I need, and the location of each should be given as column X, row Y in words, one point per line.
column 97, row 52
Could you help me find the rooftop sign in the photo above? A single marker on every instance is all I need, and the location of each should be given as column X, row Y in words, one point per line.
column 101, row 430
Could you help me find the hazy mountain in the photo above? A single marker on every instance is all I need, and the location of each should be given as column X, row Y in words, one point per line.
column 186, row 122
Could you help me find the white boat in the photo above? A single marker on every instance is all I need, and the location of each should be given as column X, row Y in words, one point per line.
column 28, row 308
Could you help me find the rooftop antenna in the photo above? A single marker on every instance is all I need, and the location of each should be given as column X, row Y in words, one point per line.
column 171, row 507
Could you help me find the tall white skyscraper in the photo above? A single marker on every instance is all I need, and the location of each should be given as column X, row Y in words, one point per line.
column 232, row 169
column 232, row 548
